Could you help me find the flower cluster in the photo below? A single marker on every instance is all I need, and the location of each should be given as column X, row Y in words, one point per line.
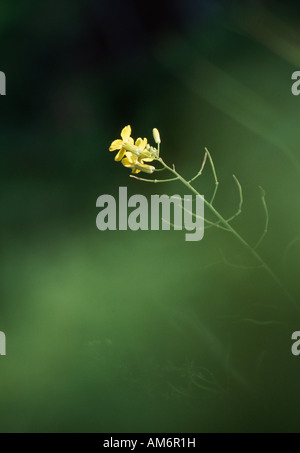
column 134, row 154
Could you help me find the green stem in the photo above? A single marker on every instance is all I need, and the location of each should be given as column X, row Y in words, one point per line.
column 215, row 176
column 233, row 231
column 267, row 218
column 154, row 181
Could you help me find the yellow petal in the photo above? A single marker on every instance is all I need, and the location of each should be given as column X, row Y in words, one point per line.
column 132, row 158
column 135, row 171
column 127, row 163
column 126, row 132
column 141, row 143
column 143, row 159
column 119, row 156
column 116, row 144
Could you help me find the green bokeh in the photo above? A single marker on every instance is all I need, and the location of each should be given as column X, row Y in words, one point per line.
column 142, row 331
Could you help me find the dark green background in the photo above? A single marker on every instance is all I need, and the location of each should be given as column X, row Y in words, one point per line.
column 142, row 331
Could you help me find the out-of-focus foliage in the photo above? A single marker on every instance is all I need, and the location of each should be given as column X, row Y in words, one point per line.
column 195, row 344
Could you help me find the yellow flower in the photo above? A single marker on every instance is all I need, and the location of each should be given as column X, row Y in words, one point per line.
column 136, row 164
column 135, row 161
column 145, row 154
column 118, row 144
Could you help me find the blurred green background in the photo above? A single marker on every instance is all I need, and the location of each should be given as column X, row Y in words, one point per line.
column 142, row 331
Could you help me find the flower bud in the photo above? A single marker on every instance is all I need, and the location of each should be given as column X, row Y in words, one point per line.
column 156, row 136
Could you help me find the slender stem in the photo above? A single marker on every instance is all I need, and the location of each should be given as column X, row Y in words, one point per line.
column 215, row 176
column 201, row 169
column 237, row 266
column 212, row 224
column 241, row 199
column 238, row 212
column 160, row 169
column 263, row 200
column 214, row 194
column 288, row 248
column 232, row 230
column 155, row 181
